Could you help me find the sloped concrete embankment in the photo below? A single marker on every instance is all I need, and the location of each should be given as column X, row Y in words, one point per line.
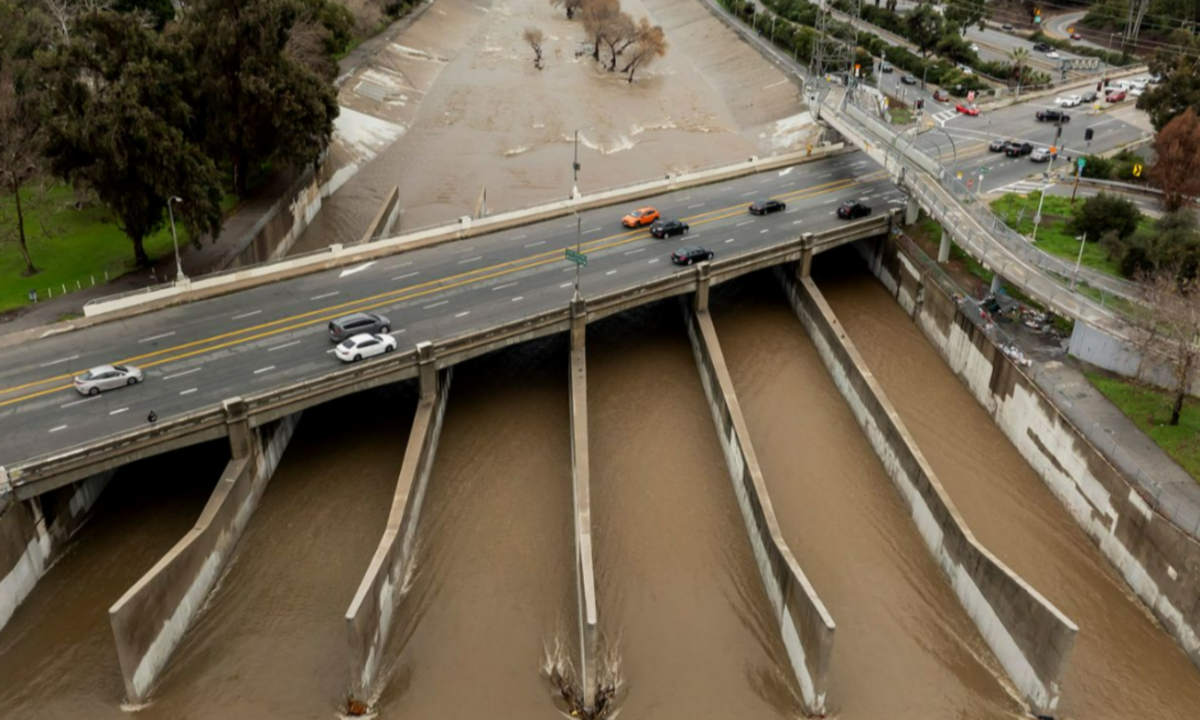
column 1030, row 637
column 370, row 616
column 1160, row 563
column 150, row 619
column 804, row 622
column 33, row 533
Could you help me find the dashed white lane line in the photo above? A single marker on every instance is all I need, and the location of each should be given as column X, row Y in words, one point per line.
column 328, row 294
column 611, row 272
column 829, row 174
column 462, row 314
column 243, row 316
column 506, row 285
column 797, row 222
column 78, row 402
column 693, row 206
column 764, row 232
column 752, row 192
column 185, row 372
column 60, row 360
column 729, row 241
column 118, row 412
column 437, row 304
column 400, row 265
column 519, row 297
column 285, row 345
column 788, row 185
column 593, row 230
column 634, row 252
column 157, row 337
column 189, row 391
column 268, row 368
column 653, row 261
column 56, row 429
column 566, row 285
column 407, row 275
column 520, row 237
column 535, row 244
column 744, row 222
column 470, row 259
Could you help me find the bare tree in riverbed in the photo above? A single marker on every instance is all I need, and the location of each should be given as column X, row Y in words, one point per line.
column 535, row 37
column 571, row 6
column 649, row 42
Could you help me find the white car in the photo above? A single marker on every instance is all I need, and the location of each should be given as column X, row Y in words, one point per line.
column 1137, row 91
column 1053, row 55
column 1068, row 101
column 974, row 47
column 363, row 346
column 107, row 377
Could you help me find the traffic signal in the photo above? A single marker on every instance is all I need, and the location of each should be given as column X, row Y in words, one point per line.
column 1087, row 134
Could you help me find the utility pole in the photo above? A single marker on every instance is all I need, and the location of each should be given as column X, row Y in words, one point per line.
column 1078, row 261
column 179, row 276
column 575, row 167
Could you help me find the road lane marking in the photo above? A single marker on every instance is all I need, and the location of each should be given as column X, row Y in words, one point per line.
column 611, row 272
column 695, row 205
column 285, row 345
column 437, row 304
column 60, row 360
column 470, row 259
column 653, row 261
column 535, row 244
column 634, row 252
column 263, row 370
column 764, row 232
column 188, row 392
column 328, row 294
column 185, row 372
column 589, row 232
column 519, row 237
column 566, row 285
column 729, row 241
column 355, row 270
column 243, row 316
column 399, row 265
column 157, row 337
column 519, row 297
column 407, row 275
column 56, row 429
column 752, row 192
column 462, row 314
column 745, row 222
column 506, row 285
column 118, row 412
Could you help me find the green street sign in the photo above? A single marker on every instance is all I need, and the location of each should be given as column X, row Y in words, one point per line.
column 577, row 257
column 1082, row 162
column 984, row 170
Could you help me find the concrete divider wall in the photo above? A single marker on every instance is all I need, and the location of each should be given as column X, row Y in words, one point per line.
column 585, row 573
column 1160, row 563
column 150, row 619
column 804, row 622
column 1029, row 636
column 34, row 532
column 370, row 616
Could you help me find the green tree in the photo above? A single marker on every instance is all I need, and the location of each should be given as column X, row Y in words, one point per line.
column 1104, row 212
column 1179, row 64
column 1019, row 56
column 260, row 103
column 954, row 48
column 160, row 12
column 925, row 28
column 121, row 126
column 962, row 14
column 1176, row 167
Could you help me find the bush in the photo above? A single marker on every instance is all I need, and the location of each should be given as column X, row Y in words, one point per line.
column 1105, row 212
column 1113, row 58
column 1097, row 167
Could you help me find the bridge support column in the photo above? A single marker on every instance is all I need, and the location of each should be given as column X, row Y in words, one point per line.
column 427, row 371
column 700, row 302
column 578, row 323
column 996, row 283
column 944, row 248
column 804, row 267
column 912, row 211
column 241, row 435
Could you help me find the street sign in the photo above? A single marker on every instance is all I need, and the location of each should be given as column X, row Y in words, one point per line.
column 577, row 257
column 984, row 170
column 1082, row 162
column 1137, row 170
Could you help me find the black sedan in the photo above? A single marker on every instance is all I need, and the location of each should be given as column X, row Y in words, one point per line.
column 669, row 228
column 1019, row 149
column 766, row 207
column 1057, row 116
column 1000, row 145
column 691, row 254
column 852, row 209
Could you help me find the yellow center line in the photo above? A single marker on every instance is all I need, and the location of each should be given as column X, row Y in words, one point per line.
column 416, row 291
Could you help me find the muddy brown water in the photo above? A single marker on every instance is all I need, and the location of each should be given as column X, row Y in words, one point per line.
column 679, row 593
column 493, row 585
column 905, row 649
column 1124, row 665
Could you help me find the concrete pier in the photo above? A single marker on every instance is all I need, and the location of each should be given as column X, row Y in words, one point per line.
column 589, row 640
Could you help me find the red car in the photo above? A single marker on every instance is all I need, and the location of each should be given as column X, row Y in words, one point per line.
column 1115, row 96
column 940, row 96
column 967, row 109
column 1076, row 36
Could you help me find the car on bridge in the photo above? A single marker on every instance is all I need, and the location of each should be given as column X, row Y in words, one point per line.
column 107, row 377
column 1068, row 101
column 1000, row 145
column 357, row 324
column 766, row 207
column 669, row 228
column 641, row 217
column 1042, row 154
column 361, row 347
column 851, row 209
column 691, row 254
column 1019, row 149
column 1057, row 116
column 966, row 110
column 908, row 80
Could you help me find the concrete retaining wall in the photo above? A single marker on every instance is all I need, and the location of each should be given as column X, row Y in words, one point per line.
column 1101, row 349
column 369, row 619
column 1029, row 636
column 151, row 618
column 1160, row 563
column 585, row 573
column 34, row 532
column 804, row 623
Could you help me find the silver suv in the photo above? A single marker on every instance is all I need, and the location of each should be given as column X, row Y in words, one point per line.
column 357, row 324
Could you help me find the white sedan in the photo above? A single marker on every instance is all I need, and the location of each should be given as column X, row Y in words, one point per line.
column 1053, row 55
column 107, row 377
column 360, row 347
column 1068, row 101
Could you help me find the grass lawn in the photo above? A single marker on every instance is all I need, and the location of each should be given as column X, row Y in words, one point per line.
column 81, row 245
column 1052, row 233
column 1150, row 409
column 901, row 116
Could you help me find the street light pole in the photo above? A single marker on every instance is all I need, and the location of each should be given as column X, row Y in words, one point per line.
column 179, row 276
column 1078, row 261
column 578, row 251
column 575, row 167
column 1037, row 219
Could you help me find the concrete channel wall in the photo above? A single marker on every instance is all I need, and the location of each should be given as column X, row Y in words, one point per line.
column 804, row 623
column 1160, row 563
column 34, row 532
column 585, row 571
column 150, row 619
column 372, row 611
column 1029, row 636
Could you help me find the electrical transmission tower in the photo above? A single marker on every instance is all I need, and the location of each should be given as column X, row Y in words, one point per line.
column 837, row 38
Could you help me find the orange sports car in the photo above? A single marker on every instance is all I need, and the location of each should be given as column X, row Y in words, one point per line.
column 640, row 217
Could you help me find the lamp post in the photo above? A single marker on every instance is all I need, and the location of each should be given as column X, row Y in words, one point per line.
column 179, row 276
column 1078, row 261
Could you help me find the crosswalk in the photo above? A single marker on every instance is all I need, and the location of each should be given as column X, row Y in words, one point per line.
column 943, row 117
column 1021, row 187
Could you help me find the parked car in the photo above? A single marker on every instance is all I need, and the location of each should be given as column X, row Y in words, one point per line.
column 1089, row 97
column 1115, row 96
column 1042, row 154
column 885, row 67
column 1156, row 78
column 1000, row 145
column 357, row 324
column 1076, row 36
column 107, row 377
column 766, row 207
column 1006, row 26
column 1137, row 91
column 1053, row 55
column 1068, row 101
column 851, row 209
column 1041, row 47
column 941, row 96
column 361, row 347
column 908, row 80
column 1019, row 149
column 669, row 228
column 691, row 254
column 640, row 218
column 1052, row 116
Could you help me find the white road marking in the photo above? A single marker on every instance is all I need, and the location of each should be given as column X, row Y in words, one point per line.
column 407, row 275
column 471, row 259
column 188, row 391
column 56, row 429
column 78, row 402
column 280, row 347
column 752, row 192
column 632, row 252
column 611, row 272
column 185, row 372
column 775, row 84
column 400, row 265
column 653, row 261
column 328, row 294
column 519, row 297
column 520, row 237
column 797, row 222
column 785, row 171
column 506, row 285
column 825, row 175
column 744, row 222
column 157, row 337
column 729, row 241
column 243, row 316
column 61, row 360
column 695, row 205
column 791, row 184
column 535, row 244
column 589, row 232
column 263, row 370
column 330, row 350
column 437, row 304
column 118, row 412
column 566, row 285
column 462, row 314
column 764, row 232
column 356, row 269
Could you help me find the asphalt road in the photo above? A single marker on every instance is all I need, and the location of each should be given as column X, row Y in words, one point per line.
column 199, row 354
